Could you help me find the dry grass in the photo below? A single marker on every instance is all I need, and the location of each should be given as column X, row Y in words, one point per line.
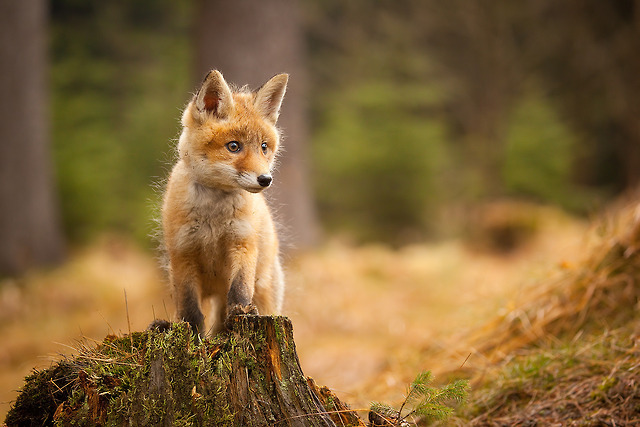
column 598, row 292
column 591, row 381
column 567, row 352
column 366, row 319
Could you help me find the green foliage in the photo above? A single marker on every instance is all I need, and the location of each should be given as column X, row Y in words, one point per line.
column 424, row 401
column 539, row 154
column 119, row 75
column 412, row 112
column 380, row 160
column 458, row 101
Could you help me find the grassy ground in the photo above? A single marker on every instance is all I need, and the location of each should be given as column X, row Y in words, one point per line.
column 588, row 381
column 568, row 353
column 366, row 319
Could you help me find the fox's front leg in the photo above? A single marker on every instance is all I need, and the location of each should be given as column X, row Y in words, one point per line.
column 186, row 282
column 242, row 281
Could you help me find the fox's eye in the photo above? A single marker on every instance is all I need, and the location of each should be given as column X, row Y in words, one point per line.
column 233, row 146
column 264, row 147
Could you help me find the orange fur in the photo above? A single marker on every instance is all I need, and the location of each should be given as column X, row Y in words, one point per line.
column 217, row 229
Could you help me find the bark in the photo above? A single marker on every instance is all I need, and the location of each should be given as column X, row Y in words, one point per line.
column 274, row 390
column 29, row 219
column 248, row 376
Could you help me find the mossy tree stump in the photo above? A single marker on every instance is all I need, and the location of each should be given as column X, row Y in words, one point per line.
column 266, row 383
column 247, row 376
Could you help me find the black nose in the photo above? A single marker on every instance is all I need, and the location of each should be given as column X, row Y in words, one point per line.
column 265, row 180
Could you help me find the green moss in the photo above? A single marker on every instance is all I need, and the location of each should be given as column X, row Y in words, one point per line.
column 41, row 395
column 168, row 378
column 279, row 331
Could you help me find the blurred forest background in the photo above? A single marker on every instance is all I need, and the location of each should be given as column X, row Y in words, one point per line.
column 412, row 128
column 403, row 115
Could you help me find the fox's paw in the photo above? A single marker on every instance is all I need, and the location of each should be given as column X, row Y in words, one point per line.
column 159, row 325
column 239, row 310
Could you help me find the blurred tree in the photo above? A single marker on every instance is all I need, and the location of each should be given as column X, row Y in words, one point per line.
column 583, row 53
column 539, row 153
column 475, row 51
column 418, row 107
column 381, row 160
column 29, row 221
column 120, row 72
column 380, row 135
column 586, row 52
column 537, row 99
column 249, row 41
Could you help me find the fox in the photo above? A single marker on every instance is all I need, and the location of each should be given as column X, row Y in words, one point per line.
column 218, row 232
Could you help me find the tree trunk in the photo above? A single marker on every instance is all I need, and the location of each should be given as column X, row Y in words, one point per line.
column 29, row 223
column 270, row 41
column 248, row 376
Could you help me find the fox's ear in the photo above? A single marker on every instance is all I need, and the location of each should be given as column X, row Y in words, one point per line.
column 269, row 97
column 213, row 97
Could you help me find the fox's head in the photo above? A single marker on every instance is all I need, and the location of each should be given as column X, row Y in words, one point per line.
column 229, row 139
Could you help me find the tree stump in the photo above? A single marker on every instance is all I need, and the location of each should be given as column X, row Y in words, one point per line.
column 247, row 376
column 267, row 385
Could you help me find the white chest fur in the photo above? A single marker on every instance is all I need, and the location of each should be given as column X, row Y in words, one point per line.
column 213, row 215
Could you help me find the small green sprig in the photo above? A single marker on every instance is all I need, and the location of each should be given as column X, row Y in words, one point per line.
column 423, row 402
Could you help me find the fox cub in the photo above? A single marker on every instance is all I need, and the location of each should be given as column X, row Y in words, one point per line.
column 218, row 233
